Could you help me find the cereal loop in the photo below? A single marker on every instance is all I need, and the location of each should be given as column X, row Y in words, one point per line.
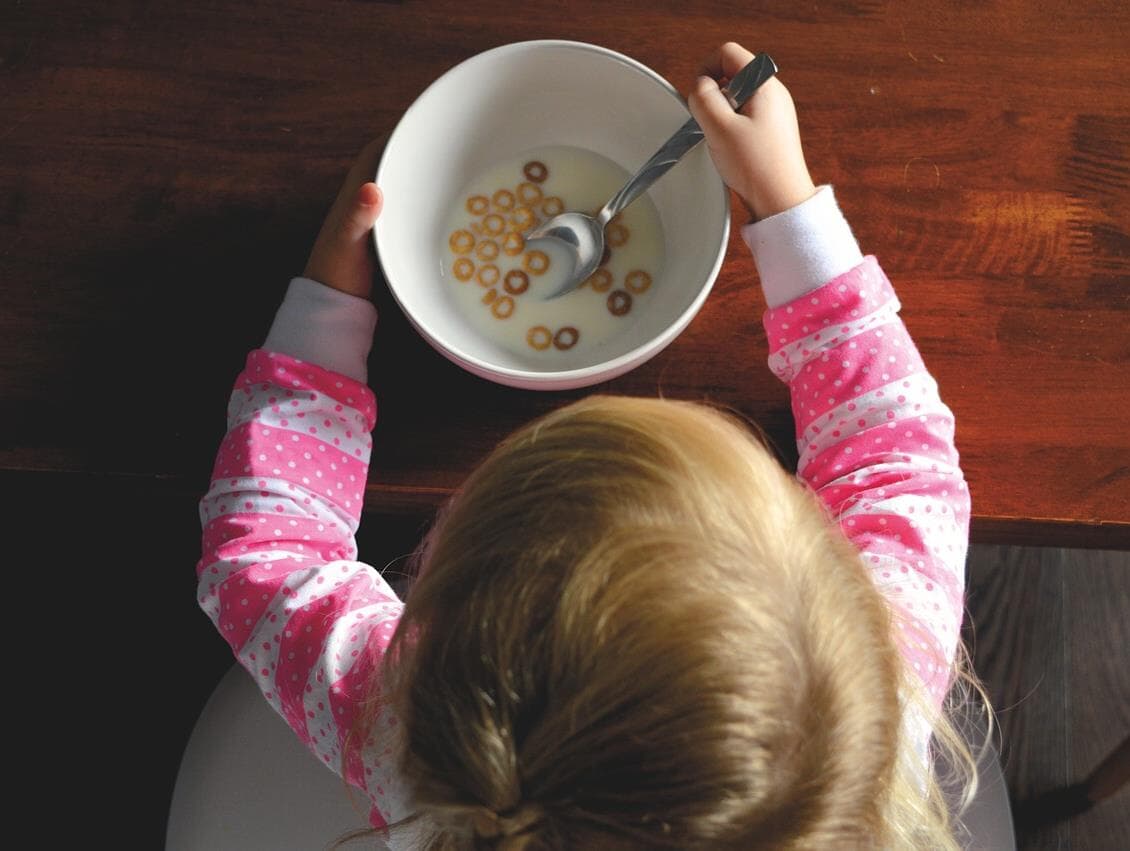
column 516, row 282
column 535, row 171
column 488, row 275
column 513, row 243
column 487, row 249
column 523, row 218
column 529, row 193
column 601, row 280
column 536, row 262
column 494, row 224
column 502, row 307
column 477, row 205
column 637, row 281
column 619, row 303
column 461, row 241
column 566, row 337
column 539, row 337
column 503, row 199
column 463, row 268
column 552, row 206
column 489, row 296
column 616, row 234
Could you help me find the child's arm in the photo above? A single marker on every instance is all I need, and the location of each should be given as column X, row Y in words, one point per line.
column 279, row 575
column 876, row 441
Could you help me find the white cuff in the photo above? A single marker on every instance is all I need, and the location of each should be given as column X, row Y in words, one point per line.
column 803, row 248
column 324, row 326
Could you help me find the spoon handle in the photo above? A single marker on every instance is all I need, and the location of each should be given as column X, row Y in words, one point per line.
column 740, row 89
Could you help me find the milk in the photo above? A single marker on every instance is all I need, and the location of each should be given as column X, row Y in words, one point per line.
column 541, row 331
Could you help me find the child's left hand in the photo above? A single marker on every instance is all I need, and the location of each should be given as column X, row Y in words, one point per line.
column 342, row 257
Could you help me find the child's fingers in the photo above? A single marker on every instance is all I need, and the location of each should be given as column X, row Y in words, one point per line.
column 726, row 61
column 370, row 195
column 341, row 255
column 709, row 107
column 362, row 212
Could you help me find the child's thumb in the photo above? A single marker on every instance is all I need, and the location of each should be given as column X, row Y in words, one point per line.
column 363, row 211
column 709, row 106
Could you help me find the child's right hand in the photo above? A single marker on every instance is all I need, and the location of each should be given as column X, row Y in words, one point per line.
column 757, row 151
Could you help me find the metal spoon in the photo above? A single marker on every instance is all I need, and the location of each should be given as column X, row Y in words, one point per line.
column 583, row 236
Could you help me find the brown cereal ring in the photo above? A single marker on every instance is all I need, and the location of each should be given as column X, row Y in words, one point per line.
column 535, row 171
column 523, row 218
column 566, row 338
column 503, row 199
column 494, row 224
column 536, row 262
column 502, row 307
column 477, row 205
column 616, row 234
column 619, row 303
column 488, row 275
column 461, row 241
column 463, row 268
column 489, row 296
column 600, row 280
column 529, row 193
column 637, row 281
column 552, row 206
column 539, row 337
column 516, row 282
column 487, row 249
column 477, row 227
column 513, row 243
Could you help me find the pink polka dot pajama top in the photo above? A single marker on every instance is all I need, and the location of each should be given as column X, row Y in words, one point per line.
column 280, row 577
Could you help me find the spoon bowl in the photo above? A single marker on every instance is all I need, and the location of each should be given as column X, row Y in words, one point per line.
column 583, row 238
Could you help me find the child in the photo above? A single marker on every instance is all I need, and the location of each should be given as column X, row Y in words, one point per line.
column 631, row 628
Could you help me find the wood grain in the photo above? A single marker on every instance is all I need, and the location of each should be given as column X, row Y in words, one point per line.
column 164, row 168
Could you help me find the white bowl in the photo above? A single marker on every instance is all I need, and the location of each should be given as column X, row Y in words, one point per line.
column 530, row 94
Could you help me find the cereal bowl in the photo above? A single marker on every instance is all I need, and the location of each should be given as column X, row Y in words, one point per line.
column 597, row 115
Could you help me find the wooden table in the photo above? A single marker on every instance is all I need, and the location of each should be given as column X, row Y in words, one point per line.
column 165, row 166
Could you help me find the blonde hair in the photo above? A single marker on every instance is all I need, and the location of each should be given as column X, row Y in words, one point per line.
column 632, row 628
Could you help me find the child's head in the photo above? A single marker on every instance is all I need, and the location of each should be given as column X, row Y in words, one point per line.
column 633, row 629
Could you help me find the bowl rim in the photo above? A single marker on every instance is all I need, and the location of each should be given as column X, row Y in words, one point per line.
column 577, row 376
